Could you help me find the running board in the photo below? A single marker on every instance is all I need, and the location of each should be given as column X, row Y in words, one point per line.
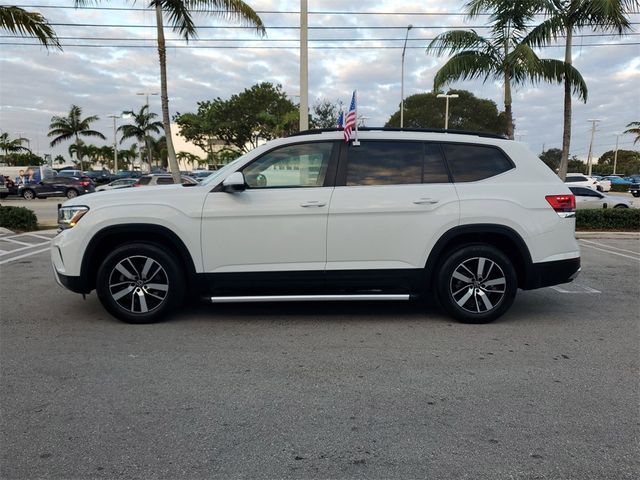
column 307, row 298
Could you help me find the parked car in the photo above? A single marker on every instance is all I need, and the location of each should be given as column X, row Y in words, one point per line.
column 587, row 198
column 615, row 180
column 604, row 185
column 99, row 177
column 126, row 174
column 58, row 186
column 468, row 217
column 580, row 180
column 70, row 173
column 4, row 190
column 162, row 179
column 116, row 184
column 634, row 189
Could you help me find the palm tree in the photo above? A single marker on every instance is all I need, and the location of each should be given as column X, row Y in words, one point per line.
column 504, row 55
column 563, row 19
column 28, row 24
column 80, row 150
column 634, row 129
column 141, row 129
column 12, row 145
column 179, row 13
column 72, row 126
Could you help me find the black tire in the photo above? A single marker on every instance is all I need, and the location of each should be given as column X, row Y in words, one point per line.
column 127, row 284
column 3, row 196
column 468, row 296
column 636, row 194
column 28, row 194
column 71, row 193
column 621, row 205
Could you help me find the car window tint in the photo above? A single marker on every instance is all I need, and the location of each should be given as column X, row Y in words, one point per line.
column 385, row 163
column 469, row 163
column 164, row 180
column 434, row 170
column 144, row 180
column 575, row 178
column 302, row 165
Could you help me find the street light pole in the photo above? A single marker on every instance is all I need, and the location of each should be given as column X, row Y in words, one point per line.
column 615, row 155
column 409, row 27
column 146, row 142
column 593, row 134
column 446, row 108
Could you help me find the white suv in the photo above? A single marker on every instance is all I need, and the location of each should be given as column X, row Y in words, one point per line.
column 470, row 218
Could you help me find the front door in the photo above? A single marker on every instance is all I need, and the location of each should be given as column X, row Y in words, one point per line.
column 276, row 229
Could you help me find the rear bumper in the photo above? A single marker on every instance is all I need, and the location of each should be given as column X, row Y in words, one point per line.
column 547, row 274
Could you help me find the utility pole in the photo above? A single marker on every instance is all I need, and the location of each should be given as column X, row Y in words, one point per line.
column 304, row 66
column 593, row 121
column 615, row 155
column 409, row 27
column 446, row 110
column 115, row 144
column 146, row 140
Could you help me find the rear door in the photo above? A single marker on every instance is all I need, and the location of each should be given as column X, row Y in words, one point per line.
column 392, row 201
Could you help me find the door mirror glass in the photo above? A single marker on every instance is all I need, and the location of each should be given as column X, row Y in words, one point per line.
column 234, row 183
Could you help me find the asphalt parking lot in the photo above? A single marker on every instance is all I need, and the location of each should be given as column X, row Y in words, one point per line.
column 397, row 390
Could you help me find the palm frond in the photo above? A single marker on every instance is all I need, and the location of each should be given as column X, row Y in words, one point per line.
column 454, row 41
column 28, row 24
column 466, row 65
column 543, row 33
column 234, row 10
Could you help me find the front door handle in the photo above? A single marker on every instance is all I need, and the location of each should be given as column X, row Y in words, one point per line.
column 313, row 203
column 425, row 201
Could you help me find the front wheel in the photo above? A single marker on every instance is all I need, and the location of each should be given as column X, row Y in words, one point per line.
column 140, row 283
column 476, row 284
column 28, row 194
column 635, row 194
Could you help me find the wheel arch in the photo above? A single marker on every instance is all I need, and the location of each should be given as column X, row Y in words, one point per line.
column 500, row 236
column 112, row 237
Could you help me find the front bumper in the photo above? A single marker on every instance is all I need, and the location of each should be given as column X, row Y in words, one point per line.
column 546, row 274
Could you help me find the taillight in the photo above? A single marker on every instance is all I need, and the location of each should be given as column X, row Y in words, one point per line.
column 136, row 185
column 564, row 205
column 85, row 183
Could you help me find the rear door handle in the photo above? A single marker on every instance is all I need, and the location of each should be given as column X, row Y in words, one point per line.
column 313, row 203
column 425, row 201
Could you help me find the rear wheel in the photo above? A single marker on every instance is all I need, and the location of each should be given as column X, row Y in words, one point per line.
column 140, row 283
column 476, row 284
column 72, row 193
column 28, row 194
column 621, row 206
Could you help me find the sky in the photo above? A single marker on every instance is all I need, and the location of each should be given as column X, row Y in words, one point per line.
column 108, row 57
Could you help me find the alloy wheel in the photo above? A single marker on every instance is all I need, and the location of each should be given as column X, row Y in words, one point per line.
column 478, row 285
column 138, row 284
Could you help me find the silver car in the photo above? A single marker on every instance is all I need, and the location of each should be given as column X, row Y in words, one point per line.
column 588, row 198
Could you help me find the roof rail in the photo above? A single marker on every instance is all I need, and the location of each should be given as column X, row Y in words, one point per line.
column 395, row 129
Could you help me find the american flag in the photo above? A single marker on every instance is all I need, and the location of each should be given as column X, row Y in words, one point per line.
column 350, row 121
column 340, row 121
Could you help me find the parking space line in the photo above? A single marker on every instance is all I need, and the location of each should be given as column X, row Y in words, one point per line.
column 7, row 252
column 10, row 239
column 38, row 236
column 584, row 289
column 610, row 246
column 25, row 255
column 612, row 253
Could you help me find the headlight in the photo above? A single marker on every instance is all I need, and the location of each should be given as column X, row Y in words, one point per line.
column 69, row 216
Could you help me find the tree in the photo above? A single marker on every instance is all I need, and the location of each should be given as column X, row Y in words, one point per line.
column 325, row 114
column 634, row 129
column 158, row 148
column 179, row 13
column 257, row 114
column 504, row 55
column 23, row 159
column 425, row 110
column 59, row 160
column 141, row 129
column 8, row 145
column 28, row 24
column 628, row 162
column 551, row 159
column 563, row 19
column 72, row 126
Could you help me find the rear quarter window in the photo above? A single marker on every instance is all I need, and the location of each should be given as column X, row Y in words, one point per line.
column 470, row 163
column 144, row 180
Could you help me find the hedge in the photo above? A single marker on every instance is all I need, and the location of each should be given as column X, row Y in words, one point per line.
column 617, row 219
column 18, row 218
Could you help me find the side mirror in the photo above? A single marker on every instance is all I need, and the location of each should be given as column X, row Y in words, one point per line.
column 234, row 183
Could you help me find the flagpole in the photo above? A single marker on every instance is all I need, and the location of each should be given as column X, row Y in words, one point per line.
column 356, row 142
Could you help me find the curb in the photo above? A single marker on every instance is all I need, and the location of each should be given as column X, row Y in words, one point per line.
column 618, row 235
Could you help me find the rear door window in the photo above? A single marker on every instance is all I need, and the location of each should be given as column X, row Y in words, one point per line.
column 470, row 163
